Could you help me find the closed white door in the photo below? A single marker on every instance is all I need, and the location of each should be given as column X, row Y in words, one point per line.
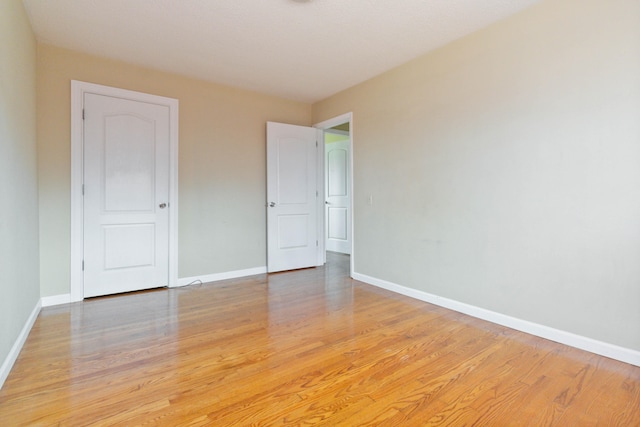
column 126, row 195
column 337, row 197
column 292, row 197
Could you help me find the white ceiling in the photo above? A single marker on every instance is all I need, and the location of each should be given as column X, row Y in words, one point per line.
column 301, row 51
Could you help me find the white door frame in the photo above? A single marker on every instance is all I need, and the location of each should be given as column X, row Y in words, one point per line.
column 78, row 89
column 327, row 124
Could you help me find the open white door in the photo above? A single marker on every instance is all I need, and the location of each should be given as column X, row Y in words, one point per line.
column 338, row 196
column 126, row 195
column 292, row 197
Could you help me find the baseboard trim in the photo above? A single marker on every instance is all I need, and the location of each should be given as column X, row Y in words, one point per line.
column 612, row 351
column 55, row 300
column 17, row 345
column 222, row 276
column 66, row 298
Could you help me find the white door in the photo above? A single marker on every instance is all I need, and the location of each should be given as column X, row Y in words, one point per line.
column 292, row 197
column 126, row 195
column 337, row 197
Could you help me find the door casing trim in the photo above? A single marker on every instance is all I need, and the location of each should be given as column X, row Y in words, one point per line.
column 78, row 89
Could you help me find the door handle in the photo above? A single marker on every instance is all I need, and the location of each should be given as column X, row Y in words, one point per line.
column 326, row 203
column 272, row 204
column 162, row 205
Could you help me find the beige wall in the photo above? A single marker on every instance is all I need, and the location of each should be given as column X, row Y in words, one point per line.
column 221, row 163
column 18, row 174
column 505, row 169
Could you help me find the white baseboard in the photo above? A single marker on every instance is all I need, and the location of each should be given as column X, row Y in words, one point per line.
column 17, row 345
column 55, row 300
column 222, row 276
column 613, row 351
column 66, row 298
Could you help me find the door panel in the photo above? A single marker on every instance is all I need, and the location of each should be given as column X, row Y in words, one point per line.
column 291, row 197
column 129, row 245
column 293, row 231
column 337, row 220
column 336, row 167
column 126, row 192
column 129, row 156
column 337, row 197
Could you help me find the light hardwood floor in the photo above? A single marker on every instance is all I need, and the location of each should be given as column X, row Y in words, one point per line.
column 310, row 347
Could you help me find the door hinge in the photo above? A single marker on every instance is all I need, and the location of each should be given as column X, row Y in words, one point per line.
column 316, row 243
column 83, row 189
column 316, row 143
column 83, row 114
column 82, row 265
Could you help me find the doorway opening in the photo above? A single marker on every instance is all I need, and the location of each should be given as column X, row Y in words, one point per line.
column 336, row 166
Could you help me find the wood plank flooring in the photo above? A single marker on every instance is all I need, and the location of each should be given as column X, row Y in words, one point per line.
column 310, row 347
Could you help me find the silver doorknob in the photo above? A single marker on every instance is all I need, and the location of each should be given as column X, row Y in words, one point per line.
column 162, row 205
column 272, row 204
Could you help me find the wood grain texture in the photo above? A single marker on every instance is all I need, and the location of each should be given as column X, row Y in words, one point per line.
column 309, row 347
